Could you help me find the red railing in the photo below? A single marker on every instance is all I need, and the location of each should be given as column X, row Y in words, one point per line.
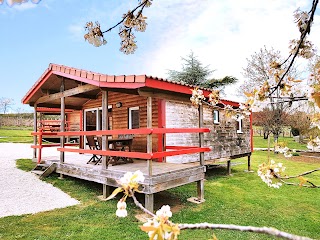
column 39, row 146
column 53, row 125
column 174, row 150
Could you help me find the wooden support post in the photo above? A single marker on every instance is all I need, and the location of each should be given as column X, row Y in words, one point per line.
column 105, row 188
column 249, row 163
column 229, row 167
column 35, row 129
column 149, row 202
column 62, row 124
column 149, row 136
column 201, row 135
column 149, row 199
column 200, row 190
column 200, row 184
column 104, row 126
column 106, row 191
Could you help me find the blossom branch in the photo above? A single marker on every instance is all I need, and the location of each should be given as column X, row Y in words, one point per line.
column 302, row 38
column 300, row 175
column 300, row 185
column 142, row 5
column 264, row 230
column 139, row 205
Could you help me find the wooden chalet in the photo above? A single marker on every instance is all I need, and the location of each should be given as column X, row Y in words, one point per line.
column 171, row 141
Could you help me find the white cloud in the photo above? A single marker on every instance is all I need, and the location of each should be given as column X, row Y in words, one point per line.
column 24, row 6
column 221, row 33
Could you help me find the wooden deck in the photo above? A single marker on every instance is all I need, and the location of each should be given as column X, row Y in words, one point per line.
column 164, row 175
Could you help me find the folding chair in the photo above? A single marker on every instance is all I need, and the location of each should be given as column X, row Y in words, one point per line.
column 93, row 146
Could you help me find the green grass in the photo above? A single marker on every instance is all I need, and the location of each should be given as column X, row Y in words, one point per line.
column 259, row 142
column 15, row 136
column 239, row 199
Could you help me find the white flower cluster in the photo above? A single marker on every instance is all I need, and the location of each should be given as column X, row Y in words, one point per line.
column 269, row 172
column 157, row 225
column 130, row 178
column 197, row 97
column 128, row 43
column 306, row 50
column 137, row 22
column 237, row 117
column 130, row 181
column 214, row 97
column 314, row 144
column 301, row 18
column 246, row 109
column 132, row 21
column 121, row 209
column 164, row 213
column 284, row 150
column 12, row 2
column 94, row 35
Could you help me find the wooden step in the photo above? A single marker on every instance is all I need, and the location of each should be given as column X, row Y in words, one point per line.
column 44, row 170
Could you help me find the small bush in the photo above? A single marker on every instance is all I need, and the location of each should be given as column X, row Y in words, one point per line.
column 295, row 132
column 295, row 154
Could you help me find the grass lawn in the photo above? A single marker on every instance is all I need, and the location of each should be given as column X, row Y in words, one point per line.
column 241, row 199
column 15, row 136
column 259, row 142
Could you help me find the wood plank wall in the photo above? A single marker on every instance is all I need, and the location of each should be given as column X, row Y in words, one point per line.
column 120, row 115
column 223, row 138
column 74, row 120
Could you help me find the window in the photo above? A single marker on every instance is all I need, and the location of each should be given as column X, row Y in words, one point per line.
column 216, row 116
column 134, row 118
column 239, row 123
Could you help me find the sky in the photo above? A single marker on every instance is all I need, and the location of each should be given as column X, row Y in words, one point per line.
column 221, row 33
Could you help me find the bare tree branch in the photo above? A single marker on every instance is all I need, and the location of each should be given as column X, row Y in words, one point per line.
column 270, row 231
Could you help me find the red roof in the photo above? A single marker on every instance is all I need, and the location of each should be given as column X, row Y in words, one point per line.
column 110, row 81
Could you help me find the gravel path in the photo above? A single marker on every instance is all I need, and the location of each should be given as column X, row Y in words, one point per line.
column 22, row 192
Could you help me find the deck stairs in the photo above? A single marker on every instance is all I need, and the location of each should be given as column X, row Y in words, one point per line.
column 44, row 169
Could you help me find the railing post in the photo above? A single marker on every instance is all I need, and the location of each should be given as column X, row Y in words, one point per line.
column 35, row 129
column 200, row 183
column 62, row 125
column 149, row 136
column 105, row 188
column 40, row 146
column 149, row 199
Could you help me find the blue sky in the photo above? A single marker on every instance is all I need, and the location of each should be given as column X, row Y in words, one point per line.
column 222, row 34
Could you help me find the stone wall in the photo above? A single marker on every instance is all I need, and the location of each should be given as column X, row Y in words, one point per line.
column 16, row 120
column 223, row 139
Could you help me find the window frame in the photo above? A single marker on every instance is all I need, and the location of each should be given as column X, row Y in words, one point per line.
column 130, row 110
column 216, row 116
column 239, row 124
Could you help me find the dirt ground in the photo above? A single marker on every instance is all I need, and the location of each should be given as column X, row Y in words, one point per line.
column 310, row 157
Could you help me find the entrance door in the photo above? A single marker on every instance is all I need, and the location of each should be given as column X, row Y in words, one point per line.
column 93, row 120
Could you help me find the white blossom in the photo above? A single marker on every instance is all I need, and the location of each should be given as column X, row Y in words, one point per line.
column 129, row 177
column 164, row 212
column 121, row 209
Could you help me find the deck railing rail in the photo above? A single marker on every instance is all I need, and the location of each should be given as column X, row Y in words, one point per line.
column 40, row 134
column 173, row 150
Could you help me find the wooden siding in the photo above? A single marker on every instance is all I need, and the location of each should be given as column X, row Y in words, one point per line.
column 223, row 138
column 74, row 121
column 120, row 115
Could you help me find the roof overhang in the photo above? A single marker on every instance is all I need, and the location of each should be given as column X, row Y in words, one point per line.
column 79, row 86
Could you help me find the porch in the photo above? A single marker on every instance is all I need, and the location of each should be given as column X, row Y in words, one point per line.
column 164, row 175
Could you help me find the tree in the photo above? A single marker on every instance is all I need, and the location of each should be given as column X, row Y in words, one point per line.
column 300, row 121
column 194, row 73
column 258, row 68
column 271, row 121
column 6, row 104
column 256, row 73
